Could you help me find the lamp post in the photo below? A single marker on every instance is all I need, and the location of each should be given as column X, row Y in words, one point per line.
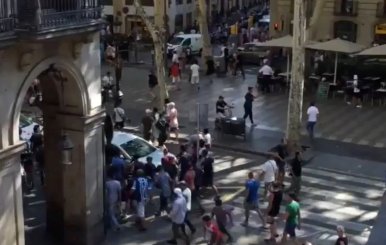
column 66, row 148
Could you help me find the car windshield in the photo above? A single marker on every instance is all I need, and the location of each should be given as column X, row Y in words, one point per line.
column 25, row 121
column 138, row 148
column 176, row 41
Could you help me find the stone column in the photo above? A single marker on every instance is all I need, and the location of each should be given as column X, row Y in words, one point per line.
column 11, row 204
column 75, row 192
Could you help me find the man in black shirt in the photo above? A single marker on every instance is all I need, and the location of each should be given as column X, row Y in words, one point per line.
column 296, row 172
column 249, row 97
column 239, row 65
column 36, row 139
column 221, row 106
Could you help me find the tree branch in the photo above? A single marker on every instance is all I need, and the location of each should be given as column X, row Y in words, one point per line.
column 155, row 33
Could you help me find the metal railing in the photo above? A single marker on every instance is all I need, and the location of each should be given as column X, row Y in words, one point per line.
column 381, row 10
column 39, row 15
column 346, row 8
column 7, row 17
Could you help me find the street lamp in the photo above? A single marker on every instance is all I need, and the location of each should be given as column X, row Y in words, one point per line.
column 66, row 146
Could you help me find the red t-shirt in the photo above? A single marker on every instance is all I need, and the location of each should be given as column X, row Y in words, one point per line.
column 190, row 175
column 213, row 228
column 175, row 70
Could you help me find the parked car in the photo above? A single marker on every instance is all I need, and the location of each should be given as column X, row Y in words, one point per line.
column 192, row 41
column 132, row 147
column 253, row 53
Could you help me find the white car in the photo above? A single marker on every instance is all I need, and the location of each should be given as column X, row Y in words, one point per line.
column 132, row 146
column 26, row 126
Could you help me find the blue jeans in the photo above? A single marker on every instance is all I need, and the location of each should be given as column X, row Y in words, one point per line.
column 310, row 128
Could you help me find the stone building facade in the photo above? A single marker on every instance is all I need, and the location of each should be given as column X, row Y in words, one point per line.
column 361, row 21
column 58, row 43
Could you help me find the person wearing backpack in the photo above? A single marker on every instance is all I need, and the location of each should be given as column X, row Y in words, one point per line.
column 140, row 196
column 162, row 126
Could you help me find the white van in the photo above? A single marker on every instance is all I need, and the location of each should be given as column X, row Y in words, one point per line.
column 192, row 41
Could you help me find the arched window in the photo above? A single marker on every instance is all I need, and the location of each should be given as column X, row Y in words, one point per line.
column 346, row 30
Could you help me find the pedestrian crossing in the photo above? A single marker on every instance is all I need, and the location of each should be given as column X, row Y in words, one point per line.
column 327, row 199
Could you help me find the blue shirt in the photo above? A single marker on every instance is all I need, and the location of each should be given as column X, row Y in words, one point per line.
column 118, row 166
column 140, row 187
column 252, row 187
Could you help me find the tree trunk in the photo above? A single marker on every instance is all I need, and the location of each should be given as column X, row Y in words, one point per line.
column 295, row 103
column 203, row 22
column 158, row 35
column 316, row 13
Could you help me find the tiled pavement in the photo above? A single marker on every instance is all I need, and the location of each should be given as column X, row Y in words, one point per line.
column 337, row 121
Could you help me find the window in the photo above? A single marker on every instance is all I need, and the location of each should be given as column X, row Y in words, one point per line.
column 189, row 19
column 176, row 41
column 107, row 2
column 189, row 1
column 179, row 22
column 346, row 30
column 187, row 42
column 178, row 2
column 137, row 148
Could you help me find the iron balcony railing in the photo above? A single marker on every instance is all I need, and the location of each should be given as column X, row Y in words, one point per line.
column 43, row 15
column 346, row 8
column 7, row 17
column 381, row 10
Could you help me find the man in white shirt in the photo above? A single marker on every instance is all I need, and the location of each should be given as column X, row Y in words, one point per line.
column 269, row 173
column 175, row 57
column 312, row 113
column 107, row 80
column 187, row 193
column 113, row 189
column 177, row 215
column 195, row 70
column 119, row 116
column 266, row 72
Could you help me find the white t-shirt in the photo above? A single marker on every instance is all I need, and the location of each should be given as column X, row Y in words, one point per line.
column 208, row 139
column 312, row 113
column 195, row 70
column 266, row 70
column 188, row 197
column 270, row 170
column 107, row 80
column 119, row 114
column 175, row 57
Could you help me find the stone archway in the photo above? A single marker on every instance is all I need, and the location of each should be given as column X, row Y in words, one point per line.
column 74, row 193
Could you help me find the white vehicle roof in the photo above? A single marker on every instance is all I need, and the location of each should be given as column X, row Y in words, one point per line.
column 189, row 35
column 120, row 138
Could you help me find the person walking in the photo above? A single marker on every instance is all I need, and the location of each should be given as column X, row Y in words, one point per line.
column 249, row 98
column 162, row 126
column 269, row 173
column 153, row 82
column 173, row 119
column 292, row 218
column 266, row 73
column 195, row 73
column 140, row 193
column 119, row 116
column 239, row 65
column 208, row 172
column 113, row 191
column 177, row 215
column 222, row 215
column 313, row 113
column 147, row 125
column 187, row 193
column 175, row 74
column 274, row 201
column 342, row 237
column 163, row 182
column 296, row 174
column 216, row 236
column 183, row 161
column 251, row 199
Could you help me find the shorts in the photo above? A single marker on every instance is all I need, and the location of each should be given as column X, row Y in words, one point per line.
column 290, row 229
column 251, row 205
column 141, row 209
column 267, row 185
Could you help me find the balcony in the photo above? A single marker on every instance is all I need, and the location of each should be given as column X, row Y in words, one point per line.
column 7, row 20
column 381, row 10
column 50, row 18
column 346, row 8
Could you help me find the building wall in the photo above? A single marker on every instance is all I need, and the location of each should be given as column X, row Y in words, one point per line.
column 366, row 19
